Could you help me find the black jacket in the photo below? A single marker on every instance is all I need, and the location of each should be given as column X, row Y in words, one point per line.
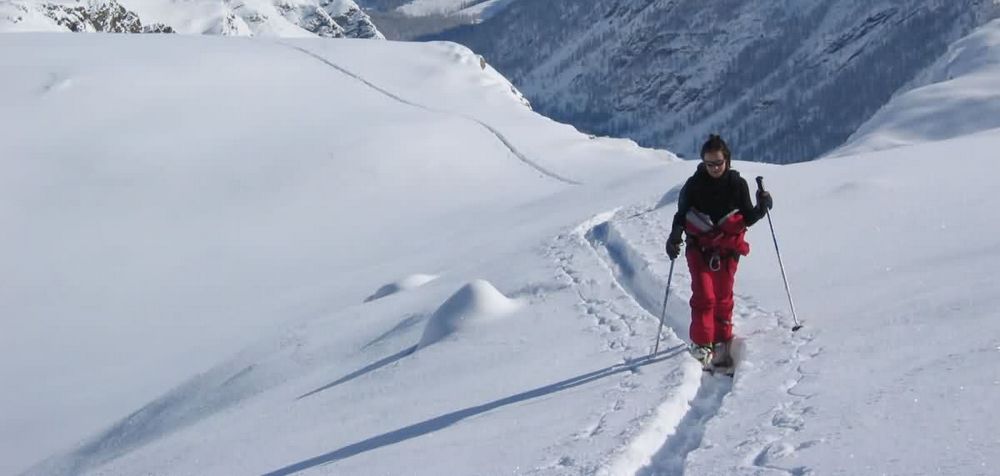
column 715, row 197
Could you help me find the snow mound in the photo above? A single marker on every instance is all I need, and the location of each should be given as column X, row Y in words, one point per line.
column 955, row 96
column 477, row 302
column 410, row 282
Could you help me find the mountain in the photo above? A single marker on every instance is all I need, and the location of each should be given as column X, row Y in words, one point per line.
column 960, row 86
column 477, row 9
column 244, row 256
column 168, row 213
column 282, row 18
column 784, row 81
column 415, row 19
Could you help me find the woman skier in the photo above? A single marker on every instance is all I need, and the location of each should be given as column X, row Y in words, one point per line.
column 714, row 210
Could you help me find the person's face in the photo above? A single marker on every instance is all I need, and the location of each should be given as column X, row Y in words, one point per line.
column 715, row 162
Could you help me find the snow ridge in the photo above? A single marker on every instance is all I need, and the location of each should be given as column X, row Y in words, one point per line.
column 496, row 133
column 281, row 18
column 105, row 16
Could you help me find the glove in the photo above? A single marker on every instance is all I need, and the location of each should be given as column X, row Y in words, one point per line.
column 674, row 245
column 764, row 199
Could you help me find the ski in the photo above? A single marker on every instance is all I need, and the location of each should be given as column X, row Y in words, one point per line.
column 728, row 371
column 725, row 371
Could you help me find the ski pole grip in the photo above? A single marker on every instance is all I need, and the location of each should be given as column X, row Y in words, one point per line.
column 760, row 183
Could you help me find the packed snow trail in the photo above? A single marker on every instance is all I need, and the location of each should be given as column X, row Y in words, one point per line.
column 500, row 137
column 670, row 458
column 632, row 274
column 627, row 328
column 625, row 240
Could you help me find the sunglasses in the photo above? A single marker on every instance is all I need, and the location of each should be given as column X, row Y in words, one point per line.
column 713, row 164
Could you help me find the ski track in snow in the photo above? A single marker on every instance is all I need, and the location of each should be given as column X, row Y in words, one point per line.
column 631, row 270
column 683, row 420
column 502, row 138
column 765, row 445
column 616, row 321
column 617, row 300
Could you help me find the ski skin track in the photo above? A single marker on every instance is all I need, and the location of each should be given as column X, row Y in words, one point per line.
column 499, row 136
column 678, row 424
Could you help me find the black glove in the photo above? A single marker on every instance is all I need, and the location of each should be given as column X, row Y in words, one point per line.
column 674, row 245
column 764, row 199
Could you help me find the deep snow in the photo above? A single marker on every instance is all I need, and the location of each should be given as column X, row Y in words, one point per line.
column 195, row 229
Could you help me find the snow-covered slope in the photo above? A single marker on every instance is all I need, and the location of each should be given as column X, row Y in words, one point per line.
column 169, row 200
column 415, row 20
column 282, row 18
column 958, row 95
column 236, row 256
column 474, row 8
column 786, row 81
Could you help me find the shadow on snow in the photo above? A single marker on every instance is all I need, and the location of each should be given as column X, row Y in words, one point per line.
column 370, row 368
column 441, row 422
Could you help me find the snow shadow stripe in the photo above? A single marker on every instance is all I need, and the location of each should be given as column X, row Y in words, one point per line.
column 370, row 368
column 441, row 422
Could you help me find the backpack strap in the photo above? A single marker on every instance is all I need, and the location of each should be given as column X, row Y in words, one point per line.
column 704, row 235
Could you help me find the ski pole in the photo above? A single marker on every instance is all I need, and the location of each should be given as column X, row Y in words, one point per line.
column 760, row 188
column 663, row 314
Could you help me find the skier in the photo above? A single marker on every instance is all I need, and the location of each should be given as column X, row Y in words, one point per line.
column 714, row 210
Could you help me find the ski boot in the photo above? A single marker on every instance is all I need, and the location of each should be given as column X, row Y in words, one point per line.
column 703, row 354
column 722, row 358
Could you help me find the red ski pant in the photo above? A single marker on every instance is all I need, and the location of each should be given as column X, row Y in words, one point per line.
column 711, row 299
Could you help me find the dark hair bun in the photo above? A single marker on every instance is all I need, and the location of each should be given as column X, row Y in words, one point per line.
column 715, row 144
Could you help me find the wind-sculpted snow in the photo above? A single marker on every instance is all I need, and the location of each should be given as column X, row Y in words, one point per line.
column 410, row 282
column 475, row 305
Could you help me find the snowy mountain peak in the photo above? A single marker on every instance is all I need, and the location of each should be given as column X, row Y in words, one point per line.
column 282, row 18
column 93, row 16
